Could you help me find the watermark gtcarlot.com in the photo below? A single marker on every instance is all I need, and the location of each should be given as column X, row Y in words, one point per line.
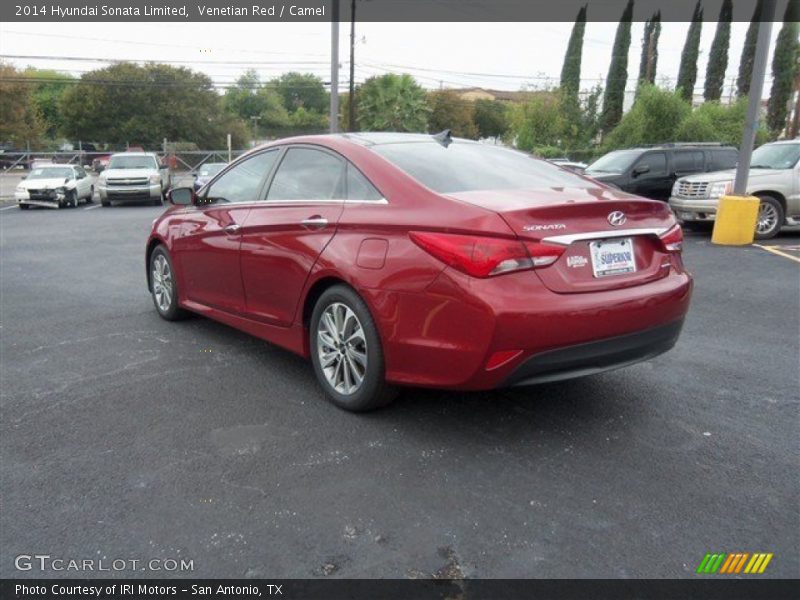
column 46, row 562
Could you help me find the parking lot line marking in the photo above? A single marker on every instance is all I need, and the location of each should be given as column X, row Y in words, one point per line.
column 774, row 250
column 93, row 206
column 9, row 207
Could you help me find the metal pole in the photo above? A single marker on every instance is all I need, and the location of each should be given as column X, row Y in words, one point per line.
column 351, row 103
column 229, row 147
column 754, row 100
column 255, row 129
column 334, row 116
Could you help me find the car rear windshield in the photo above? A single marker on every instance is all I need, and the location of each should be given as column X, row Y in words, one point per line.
column 775, row 156
column 51, row 173
column 469, row 166
column 614, row 162
column 132, row 162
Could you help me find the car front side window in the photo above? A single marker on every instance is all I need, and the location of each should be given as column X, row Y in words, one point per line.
column 242, row 183
column 307, row 174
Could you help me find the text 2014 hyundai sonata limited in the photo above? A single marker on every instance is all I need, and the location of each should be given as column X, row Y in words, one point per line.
column 404, row 259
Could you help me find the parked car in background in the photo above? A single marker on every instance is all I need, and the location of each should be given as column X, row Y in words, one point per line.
column 774, row 177
column 569, row 165
column 40, row 162
column 651, row 171
column 206, row 172
column 99, row 163
column 54, row 186
column 133, row 176
column 422, row 260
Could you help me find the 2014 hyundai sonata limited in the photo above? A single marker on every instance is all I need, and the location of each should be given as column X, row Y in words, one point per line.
column 418, row 260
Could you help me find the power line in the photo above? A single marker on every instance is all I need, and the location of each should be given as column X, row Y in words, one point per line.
column 168, row 62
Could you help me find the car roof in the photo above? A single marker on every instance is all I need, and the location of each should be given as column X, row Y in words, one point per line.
column 794, row 141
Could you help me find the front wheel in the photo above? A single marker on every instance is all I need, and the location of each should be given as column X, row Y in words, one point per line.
column 346, row 351
column 770, row 218
column 163, row 286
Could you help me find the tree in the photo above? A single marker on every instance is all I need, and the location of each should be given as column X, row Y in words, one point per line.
column 250, row 98
column 748, row 53
column 713, row 122
column 538, row 123
column 784, row 67
column 571, row 69
column 126, row 102
column 46, row 91
column 20, row 121
column 687, row 72
column 392, row 103
column 450, row 111
column 618, row 71
column 718, row 56
column 302, row 89
column 653, row 119
column 491, row 118
column 649, row 60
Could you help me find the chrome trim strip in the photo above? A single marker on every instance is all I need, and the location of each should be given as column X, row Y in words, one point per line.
column 566, row 240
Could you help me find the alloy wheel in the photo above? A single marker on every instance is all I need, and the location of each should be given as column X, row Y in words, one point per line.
column 342, row 348
column 767, row 218
column 163, row 288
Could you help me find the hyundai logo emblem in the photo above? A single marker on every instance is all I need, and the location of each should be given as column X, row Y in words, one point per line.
column 617, row 218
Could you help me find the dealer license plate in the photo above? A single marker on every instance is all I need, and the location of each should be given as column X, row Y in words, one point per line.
column 612, row 257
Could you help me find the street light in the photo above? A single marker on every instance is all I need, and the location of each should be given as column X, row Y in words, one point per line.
column 255, row 129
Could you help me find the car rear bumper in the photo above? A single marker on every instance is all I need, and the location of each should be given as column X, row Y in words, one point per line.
column 595, row 357
column 694, row 209
column 477, row 334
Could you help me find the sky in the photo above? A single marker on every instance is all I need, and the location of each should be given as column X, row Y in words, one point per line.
column 506, row 56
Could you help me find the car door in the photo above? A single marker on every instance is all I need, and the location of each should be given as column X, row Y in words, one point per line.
column 649, row 176
column 686, row 162
column 283, row 236
column 84, row 184
column 207, row 248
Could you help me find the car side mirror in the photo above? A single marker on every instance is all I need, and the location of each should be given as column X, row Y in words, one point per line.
column 24, row 177
column 641, row 169
column 66, row 179
column 182, row 196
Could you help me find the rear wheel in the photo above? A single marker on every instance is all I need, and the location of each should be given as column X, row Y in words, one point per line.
column 163, row 286
column 24, row 206
column 346, row 352
column 770, row 218
column 105, row 202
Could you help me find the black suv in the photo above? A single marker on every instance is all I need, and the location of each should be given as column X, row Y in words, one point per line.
column 650, row 171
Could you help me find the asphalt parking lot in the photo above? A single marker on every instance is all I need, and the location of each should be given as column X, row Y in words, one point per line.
column 127, row 437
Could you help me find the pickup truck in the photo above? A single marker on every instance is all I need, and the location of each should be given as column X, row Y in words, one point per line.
column 774, row 178
column 133, row 176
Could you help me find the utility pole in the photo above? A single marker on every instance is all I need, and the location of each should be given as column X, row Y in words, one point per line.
column 351, row 103
column 255, row 129
column 754, row 100
column 334, row 116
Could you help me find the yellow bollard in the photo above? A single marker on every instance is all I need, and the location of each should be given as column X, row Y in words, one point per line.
column 735, row 224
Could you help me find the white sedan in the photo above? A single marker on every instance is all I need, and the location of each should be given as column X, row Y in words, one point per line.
column 54, row 186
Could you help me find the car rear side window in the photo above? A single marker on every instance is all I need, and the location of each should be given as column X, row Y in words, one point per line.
column 687, row 162
column 469, row 166
column 359, row 187
column 723, row 159
column 242, row 183
column 307, row 174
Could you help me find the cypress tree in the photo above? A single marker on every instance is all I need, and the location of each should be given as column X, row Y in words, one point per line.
column 718, row 56
column 687, row 73
column 649, row 60
column 614, row 96
column 571, row 69
column 748, row 53
column 784, row 67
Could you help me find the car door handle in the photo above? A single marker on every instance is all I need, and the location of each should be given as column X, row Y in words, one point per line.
column 232, row 229
column 315, row 222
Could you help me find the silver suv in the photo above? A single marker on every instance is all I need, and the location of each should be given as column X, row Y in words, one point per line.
column 774, row 178
column 133, row 176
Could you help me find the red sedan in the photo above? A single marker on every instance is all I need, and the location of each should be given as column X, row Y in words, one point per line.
column 416, row 260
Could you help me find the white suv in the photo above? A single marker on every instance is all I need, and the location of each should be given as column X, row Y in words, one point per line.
column 133, row 176
column 774, row 178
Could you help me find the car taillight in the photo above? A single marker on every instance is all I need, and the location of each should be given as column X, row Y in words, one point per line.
column 672, row 239
column 544, row 254
column 479, row 256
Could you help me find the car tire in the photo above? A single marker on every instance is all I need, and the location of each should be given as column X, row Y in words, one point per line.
column 163, row 286
column 338, row 316
column 105, row 202
column 770, row 218
column 24, row 206
column 698, row 226
column 90, row 197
